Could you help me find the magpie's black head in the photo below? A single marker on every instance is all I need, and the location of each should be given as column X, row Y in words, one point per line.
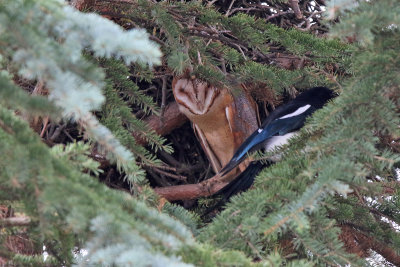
column 317, row 96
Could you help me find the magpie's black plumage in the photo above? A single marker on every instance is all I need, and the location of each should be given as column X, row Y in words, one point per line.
column 282, row 121
column 241, row 183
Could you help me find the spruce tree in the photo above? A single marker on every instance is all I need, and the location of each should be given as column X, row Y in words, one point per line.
column 90, row 85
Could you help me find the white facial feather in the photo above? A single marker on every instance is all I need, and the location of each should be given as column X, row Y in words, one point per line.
column 297, row 112
column 228, row 118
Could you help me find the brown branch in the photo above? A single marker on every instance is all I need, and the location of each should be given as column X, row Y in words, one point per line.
column 172, row 119
column 15, row 221
column 192, row 191
column 388, row 253
column 229, row 9
column 163, row 98
column 359, row 243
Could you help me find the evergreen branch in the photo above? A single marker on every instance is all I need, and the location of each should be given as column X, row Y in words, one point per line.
column 293, row 212
column 172, row 119
column 341, row 148
column 117, row 115
column 114, row 124
column 117, row 152
column 20, row 259
column 325, row 245
column 118, row 78
column 243, row 33
column 361, row 24
column 76, row 94
column 13, row 97
column 274, row 77
column 76, row 199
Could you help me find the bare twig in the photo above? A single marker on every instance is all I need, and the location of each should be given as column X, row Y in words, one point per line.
column 199, row 61
column 174, row 176
column 229, row 9
column 163, row 98
column 241, row 51
column 15, row 221
column 161, row 167
column 57, row 132
column 45, row 123
column 223, row 67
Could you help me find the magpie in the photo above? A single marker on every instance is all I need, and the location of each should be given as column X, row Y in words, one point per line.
column 280, row 125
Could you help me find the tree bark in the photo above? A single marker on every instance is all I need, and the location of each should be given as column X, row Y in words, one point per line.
column 192, row 191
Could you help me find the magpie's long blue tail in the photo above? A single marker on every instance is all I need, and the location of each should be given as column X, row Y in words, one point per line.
column 251, row 144
column 241, row 183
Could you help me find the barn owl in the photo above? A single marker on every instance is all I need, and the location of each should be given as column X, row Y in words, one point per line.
column 221, row 121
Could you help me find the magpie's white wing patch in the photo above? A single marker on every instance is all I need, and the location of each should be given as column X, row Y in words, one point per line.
column 297, row 112
column 259, row 130
column 276, row 141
